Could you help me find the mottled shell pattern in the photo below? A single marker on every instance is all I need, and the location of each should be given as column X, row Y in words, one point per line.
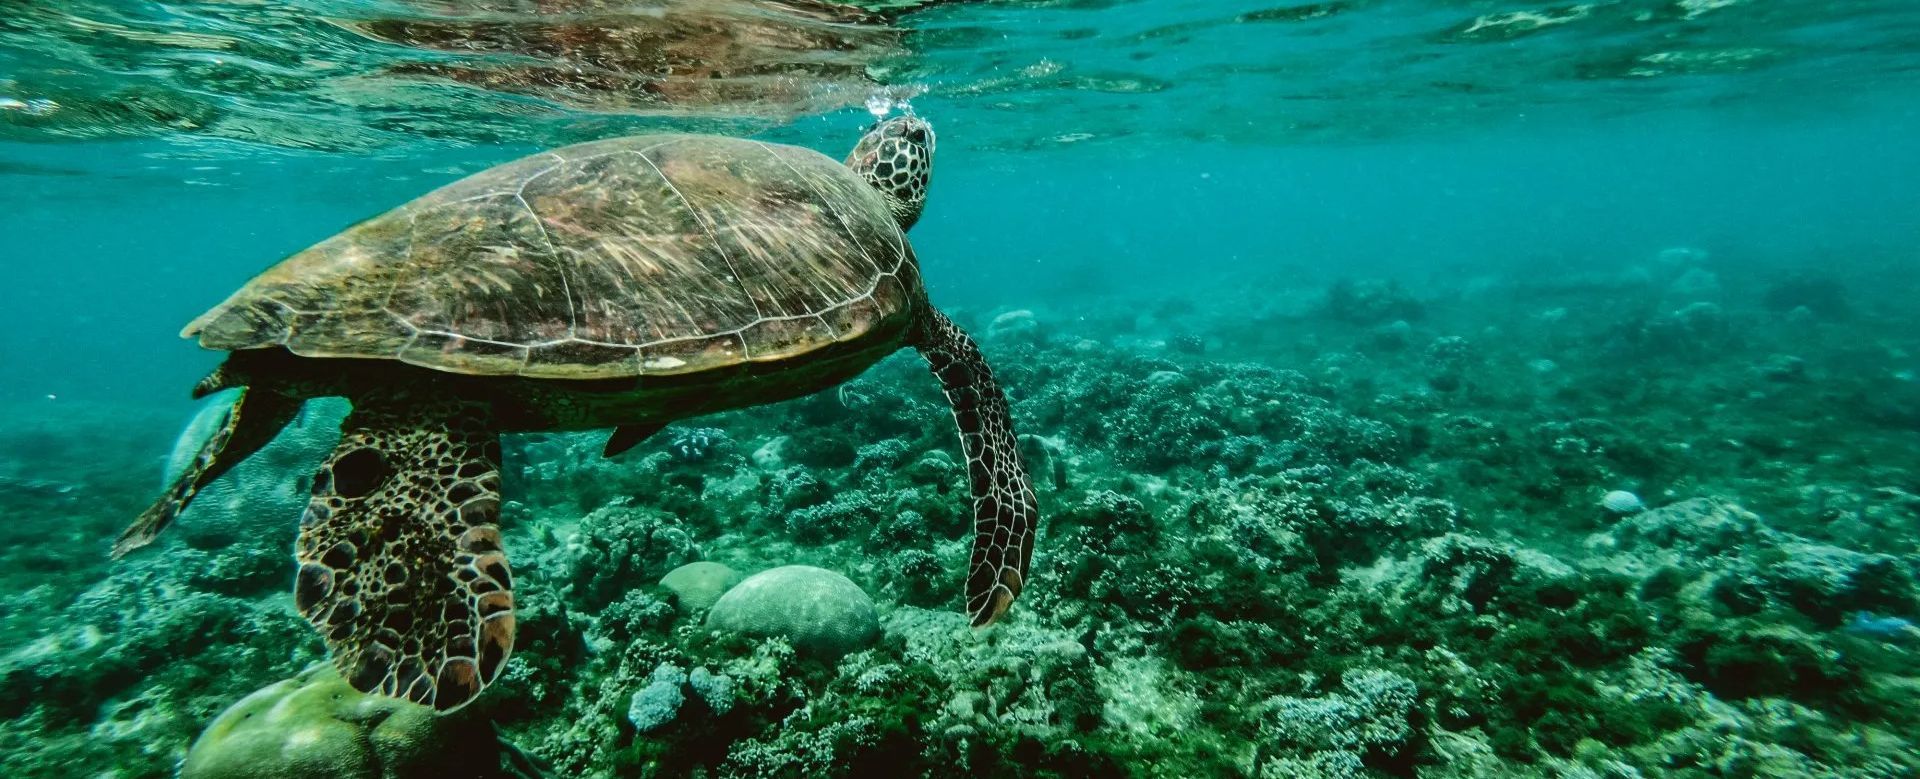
column 645, row 255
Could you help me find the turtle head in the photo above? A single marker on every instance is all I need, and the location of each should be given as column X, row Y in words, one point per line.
column 896, row 157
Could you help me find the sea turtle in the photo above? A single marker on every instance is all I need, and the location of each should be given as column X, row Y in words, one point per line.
column 621, row 283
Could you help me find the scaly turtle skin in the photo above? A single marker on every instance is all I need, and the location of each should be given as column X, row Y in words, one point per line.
column 623, row 283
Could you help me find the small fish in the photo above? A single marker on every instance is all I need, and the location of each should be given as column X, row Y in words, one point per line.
column 1883, row 628
column 38, row 106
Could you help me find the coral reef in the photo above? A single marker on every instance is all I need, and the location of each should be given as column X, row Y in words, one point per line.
column 1648, row 522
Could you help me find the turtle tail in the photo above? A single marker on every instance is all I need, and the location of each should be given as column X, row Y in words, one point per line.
column 256, row 417
column 401, row 565
column 1005, row 514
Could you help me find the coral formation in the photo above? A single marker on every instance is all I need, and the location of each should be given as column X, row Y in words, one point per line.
column 696, row 586
column 228, row 510
column 1368, row 719
column 820, row 612
column 656, row 704
column 315, row 726
column 1622, row 502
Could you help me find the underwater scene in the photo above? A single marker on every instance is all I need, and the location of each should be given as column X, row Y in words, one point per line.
column 1039, row 388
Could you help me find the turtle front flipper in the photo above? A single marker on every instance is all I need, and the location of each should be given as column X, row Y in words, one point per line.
column 1004, row 511
column 256, row 417
column 401, row 565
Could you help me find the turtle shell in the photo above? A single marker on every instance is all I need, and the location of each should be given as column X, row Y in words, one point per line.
column 644, row 255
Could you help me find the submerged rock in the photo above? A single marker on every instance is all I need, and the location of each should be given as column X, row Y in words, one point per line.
column 1694, row 528
column 1820, row 296
column 771, row 455
column 1371, row 302
column 1826, row 582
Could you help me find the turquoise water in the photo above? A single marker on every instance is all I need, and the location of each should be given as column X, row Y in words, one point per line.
column 1329, row 326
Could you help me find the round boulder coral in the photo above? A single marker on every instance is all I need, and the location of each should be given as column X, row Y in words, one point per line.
column 271, row 484
column 315, row 726
column 820, row 612
column 1622, row 502
column 696, row 586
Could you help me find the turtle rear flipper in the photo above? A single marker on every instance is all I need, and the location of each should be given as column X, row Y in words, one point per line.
column 1004, row 511
column 401, row 565
column 256, row 417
